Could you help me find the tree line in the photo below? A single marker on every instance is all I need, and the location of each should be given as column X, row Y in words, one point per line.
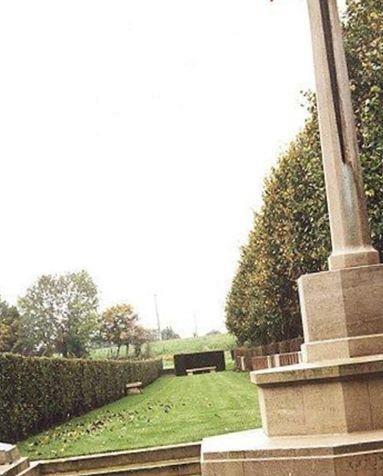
column 290, row 234
column 59, row 314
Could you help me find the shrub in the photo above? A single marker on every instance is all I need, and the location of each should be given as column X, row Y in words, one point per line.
column 37, row 393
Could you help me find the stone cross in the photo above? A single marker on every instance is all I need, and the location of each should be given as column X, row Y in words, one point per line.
column 350, row 233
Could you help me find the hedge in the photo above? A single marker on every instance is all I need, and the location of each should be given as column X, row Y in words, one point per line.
column 291, row 235
column 196, row 360
column 36, row 393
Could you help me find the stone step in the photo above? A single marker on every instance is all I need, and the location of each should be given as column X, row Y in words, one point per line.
column 32, row 470
column 8, row 453
column 122, row 459
column 14, row 468
column 185, row 467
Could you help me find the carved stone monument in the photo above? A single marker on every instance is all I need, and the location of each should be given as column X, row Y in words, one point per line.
column 325, row 416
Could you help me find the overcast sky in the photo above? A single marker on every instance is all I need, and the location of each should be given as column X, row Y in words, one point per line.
column 134, row 139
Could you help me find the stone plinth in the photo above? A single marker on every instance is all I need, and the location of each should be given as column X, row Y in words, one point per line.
column 342, row 313
column 323, row 418
column 252, row 453
column 8, row 453
column 330, row 397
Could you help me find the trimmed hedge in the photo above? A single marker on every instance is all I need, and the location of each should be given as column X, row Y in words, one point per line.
column 196, row 360
column 290, row 235
column 36, row 393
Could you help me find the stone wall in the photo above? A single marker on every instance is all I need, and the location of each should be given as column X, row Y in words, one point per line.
column 276, row 354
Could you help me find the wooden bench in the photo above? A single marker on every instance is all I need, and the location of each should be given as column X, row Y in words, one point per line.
column 201, row 370
column 133, row 388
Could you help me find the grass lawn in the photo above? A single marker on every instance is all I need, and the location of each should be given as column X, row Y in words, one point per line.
column 171, row 410
column 193, row 344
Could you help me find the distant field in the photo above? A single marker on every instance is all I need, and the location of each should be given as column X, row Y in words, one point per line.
column 167, row 348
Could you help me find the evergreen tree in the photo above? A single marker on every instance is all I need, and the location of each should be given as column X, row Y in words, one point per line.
column 290, row 236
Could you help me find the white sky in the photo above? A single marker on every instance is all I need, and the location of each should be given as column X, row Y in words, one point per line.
column 134, row 139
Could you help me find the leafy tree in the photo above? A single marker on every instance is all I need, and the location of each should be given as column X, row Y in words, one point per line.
column 141, row 336
column 168, row 334
column 9, row 327
column 117, row 325
column 290, row 235
column 59, row 314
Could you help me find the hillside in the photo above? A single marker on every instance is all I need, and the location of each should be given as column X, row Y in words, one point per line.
column 167, row 348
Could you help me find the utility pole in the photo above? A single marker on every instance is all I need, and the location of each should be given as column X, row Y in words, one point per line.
column 195, row 325
column 158, row 317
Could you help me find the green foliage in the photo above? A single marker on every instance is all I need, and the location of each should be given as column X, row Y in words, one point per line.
column 37, row 393
column 141, row 336
column 290, row 235
column 9, row 327
column 117, row 324
column 364, row 44
column 168, row 334
column 59, row 314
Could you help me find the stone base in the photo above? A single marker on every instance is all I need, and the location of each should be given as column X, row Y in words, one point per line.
column 253, row 453
column 8, row 453
column 326, row 397
column 342, row 313
column 342, row 348
column 367, row 256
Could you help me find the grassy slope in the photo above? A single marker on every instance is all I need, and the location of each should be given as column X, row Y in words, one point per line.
column 171, row 410
column 168, row 348
column 196, row 344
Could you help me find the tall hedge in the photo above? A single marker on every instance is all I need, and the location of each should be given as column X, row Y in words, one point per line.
column 36, row 393
column 198, row 360
column 290, row 235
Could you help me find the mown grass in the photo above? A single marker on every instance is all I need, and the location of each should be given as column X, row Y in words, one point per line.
column 167, row 348
column 171, row 410
column 193, row 344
